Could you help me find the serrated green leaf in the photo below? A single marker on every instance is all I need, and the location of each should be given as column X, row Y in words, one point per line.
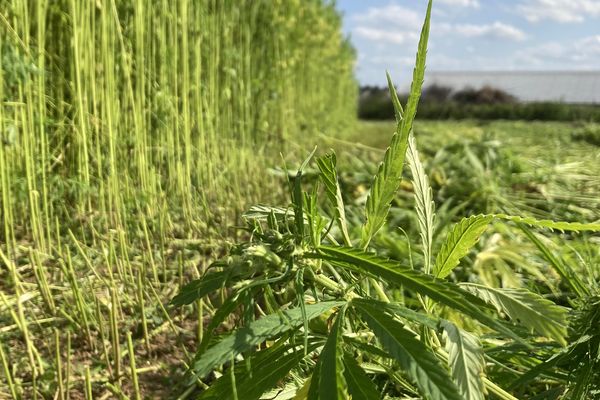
column 327, row 166
column 418, row 74
column 383, row 189
column 332, row 383
column 313, row 389
column 366, row 348
column 438, row 290
column 360, row 386
column 387, row 179
column 529, row 309
column 463, row 237
column 565, row 271
column 465, row 358
column 255, row 333
column 405, row 313
column 268, row 367
column 199, row 288
column 399, row 111
column 417, row 361
column 298, row 199
column 546, row 223
column 424, row 204
column 467, row 232
column 228, row 306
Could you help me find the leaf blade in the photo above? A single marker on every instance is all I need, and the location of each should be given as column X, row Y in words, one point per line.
column 438, row 290
column 387, row 179
column 424, row 204
column 360, row 386
column 415, row 359
column 198, row 288
column 463, row 237
column 329, row 177
column 549, row 224
column 255, row 333
column 395, row 100
column 465, row 358
column 530, row 309
column 332, row 383
column 268, row 367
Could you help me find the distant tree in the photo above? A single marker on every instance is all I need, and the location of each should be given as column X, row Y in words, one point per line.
column 436, row 93
column 485, row 95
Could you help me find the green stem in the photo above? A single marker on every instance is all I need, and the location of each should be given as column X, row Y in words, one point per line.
column 497, row 390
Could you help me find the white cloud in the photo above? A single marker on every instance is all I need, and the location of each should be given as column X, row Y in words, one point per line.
column 590, row 45
column 543, row 56
column 583, row 53
column 497, row 30
column 460, row 3
column 385, row 35
column 386, row 38
column 396, row 15
column 388, row 60
column 445, row 62
column 564, row 11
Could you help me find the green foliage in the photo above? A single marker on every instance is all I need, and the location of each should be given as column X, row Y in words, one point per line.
column 425, row 207
column 137, row 105
column 561, row 226
column 466, row 233
column 199, row 288
column 528, row 308
column 589, row 133
column 332, row 382
column 441, row 291
column 267, row 367
column 119, row 172
column 132, row 135
column 360, row 387
column 415, row 359
column 583, row 357
column 398, row 109
column 579, row 361
column 459, row 242
column 255, row 333
column 327, row 166
column 465, row 357
column 564, row 270
column 374, row 104
column 387, row 179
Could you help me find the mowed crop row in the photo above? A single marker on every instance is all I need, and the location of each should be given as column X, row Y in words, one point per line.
column 131, row 132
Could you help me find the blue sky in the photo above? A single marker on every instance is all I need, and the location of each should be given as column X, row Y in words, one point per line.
column 473, row 35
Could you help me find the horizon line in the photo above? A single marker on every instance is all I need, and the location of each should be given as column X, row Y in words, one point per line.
column 528, row 71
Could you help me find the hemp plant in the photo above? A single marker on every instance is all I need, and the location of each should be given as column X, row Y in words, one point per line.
column 317, row 314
